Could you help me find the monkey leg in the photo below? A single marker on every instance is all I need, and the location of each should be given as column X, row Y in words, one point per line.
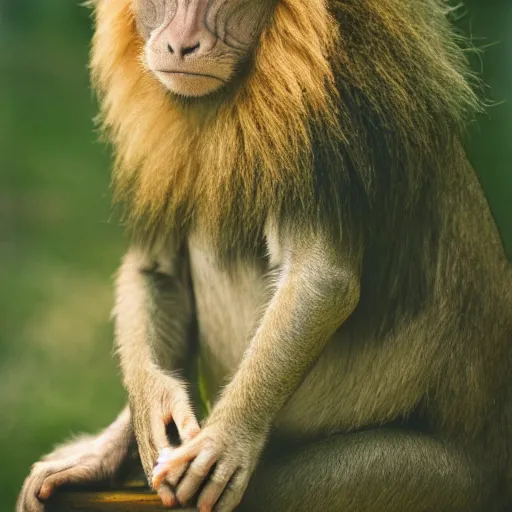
column 381, row 470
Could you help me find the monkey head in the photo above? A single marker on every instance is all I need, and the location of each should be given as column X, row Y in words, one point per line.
column 195, row 46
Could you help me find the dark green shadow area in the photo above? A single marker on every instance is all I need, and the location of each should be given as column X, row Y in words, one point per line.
column 489, row 24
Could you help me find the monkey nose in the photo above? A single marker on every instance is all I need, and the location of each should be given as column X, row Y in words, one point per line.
column 183, row 50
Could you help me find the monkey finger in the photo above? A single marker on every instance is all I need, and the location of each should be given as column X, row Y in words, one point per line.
column 186, row 421
column 214, row 488
column 29, row 498
column 171, row 462
column 234, row 492
column 166, row 495
column 159, row 431
column 28, row 501
column 195, row 475
column 173, row 477
column 72, row 475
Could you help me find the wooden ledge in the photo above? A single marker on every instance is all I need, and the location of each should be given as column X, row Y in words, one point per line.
column 131, row 498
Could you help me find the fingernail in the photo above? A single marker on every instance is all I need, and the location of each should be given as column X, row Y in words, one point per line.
column 168, row 501
column 45, row 492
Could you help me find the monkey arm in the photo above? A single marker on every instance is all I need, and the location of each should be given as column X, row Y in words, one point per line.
column 154, row 314
column 317, row 289
column 84, row 460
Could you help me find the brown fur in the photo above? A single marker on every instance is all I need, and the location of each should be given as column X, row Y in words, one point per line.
column 252, row 150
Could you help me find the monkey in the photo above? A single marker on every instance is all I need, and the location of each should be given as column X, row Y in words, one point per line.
column 308, row 234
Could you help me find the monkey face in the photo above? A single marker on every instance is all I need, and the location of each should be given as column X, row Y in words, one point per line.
column 195, row 46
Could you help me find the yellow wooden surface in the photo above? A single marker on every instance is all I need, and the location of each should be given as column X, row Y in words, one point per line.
column 132, row 498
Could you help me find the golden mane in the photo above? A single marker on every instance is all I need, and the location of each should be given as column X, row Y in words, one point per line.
column 370, row 83
column 181, row 162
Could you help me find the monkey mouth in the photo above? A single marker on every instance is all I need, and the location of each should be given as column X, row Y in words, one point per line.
column 190, row 83
column 191, row 74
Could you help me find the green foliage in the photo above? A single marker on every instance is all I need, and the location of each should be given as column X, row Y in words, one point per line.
column 59, row 246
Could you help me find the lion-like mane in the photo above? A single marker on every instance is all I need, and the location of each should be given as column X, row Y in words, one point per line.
column 345, row 102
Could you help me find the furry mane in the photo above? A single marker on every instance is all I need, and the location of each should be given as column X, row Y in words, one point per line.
column 343, row 102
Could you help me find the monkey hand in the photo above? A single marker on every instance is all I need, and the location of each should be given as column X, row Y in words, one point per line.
column 87, row 460
column 215, row 466
column 162, row 400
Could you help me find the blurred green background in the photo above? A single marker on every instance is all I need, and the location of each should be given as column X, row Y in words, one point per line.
column 59, row 246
